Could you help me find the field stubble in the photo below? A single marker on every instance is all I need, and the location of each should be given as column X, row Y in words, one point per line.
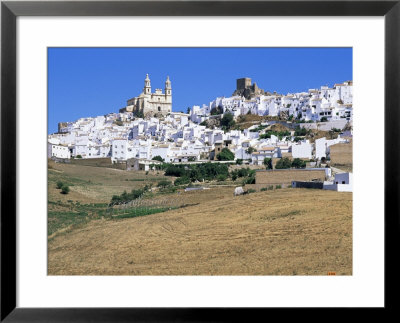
column 280, row 232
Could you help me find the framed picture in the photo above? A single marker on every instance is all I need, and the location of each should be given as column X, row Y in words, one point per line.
column 45, row 276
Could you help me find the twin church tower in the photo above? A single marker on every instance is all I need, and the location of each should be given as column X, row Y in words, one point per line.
column 151, row 104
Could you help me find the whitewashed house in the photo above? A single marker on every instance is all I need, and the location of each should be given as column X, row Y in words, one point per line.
column 343, row 182
column 302, row 150
column 58, row 151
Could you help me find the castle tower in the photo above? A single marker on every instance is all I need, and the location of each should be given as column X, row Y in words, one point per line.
column 147, row 86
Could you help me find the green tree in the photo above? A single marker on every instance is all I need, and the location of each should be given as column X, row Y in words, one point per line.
column 159, row 158
column 227, row 121
column 250, row 150
column 324, row 119
column 239, row 161
column 221, row 177
column 298, row 163
column 283, row 163
column 225, row 154
column 268, row 162
column 139, row 114
column 216, row 111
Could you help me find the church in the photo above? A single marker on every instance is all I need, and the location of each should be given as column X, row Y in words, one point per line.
column 151, row 104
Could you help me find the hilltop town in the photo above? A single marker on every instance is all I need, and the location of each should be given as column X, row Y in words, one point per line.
column 258, row 183
column 146, row 127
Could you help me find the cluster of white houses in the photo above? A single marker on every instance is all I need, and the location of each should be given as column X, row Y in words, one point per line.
column 174, row 138
column 179, row 137
column 326, row 103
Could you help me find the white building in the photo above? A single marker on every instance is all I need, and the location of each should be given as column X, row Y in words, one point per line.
column 343, row 182
column 58, row 151
column 302, row 150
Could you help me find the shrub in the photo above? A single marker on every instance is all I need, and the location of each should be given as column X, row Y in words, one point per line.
column 239, row 161
column 182, row 180
column 251, row 180
column 278, row 186
column 251, row 190
column 78, row 156
column 221, row 177
column 283, row 163
column 263, row 189
column 271, row 187
column 164, row 183
column 234, row 175
column 59, row 184
column 65, row 189
column 225, row 154
column 279, row 134
column 300, row 131
column 126, row 197
column 324, row 119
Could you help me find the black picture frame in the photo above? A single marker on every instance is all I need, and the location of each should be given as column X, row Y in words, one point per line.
column 10, row 10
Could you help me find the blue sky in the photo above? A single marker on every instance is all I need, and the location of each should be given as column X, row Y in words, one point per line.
column 86, row 82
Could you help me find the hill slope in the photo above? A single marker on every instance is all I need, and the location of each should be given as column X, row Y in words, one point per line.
column 281, row 232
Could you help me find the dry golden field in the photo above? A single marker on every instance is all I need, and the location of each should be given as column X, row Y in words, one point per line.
column 278, row 232
column 286, row 176
column 342, row 156
column 95, row 184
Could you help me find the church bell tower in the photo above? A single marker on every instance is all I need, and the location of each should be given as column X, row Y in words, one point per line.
column 147, row 86
column 168, row 89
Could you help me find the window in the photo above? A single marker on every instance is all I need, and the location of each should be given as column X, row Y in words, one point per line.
column 343, row 182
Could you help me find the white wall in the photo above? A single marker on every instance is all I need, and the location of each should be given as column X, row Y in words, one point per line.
column 58, row 151
column 303, row 150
